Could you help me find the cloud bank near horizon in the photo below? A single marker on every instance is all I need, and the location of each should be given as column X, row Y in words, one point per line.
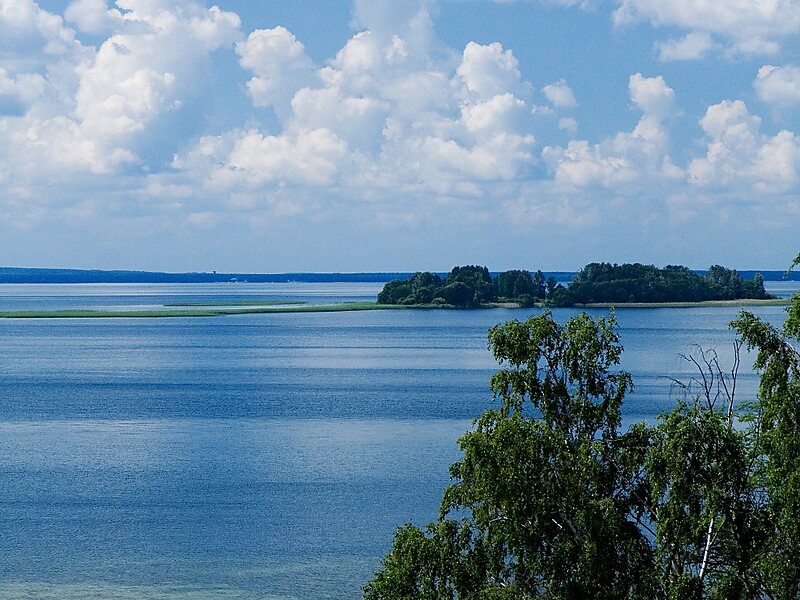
column 122, row 114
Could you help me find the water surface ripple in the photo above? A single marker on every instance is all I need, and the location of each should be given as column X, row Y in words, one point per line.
column 253, row 456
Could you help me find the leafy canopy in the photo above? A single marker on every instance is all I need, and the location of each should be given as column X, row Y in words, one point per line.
column 472, row 286
column 551, row 500
column 604, row 282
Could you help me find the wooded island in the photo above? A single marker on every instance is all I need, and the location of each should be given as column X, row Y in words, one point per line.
column 473, row 286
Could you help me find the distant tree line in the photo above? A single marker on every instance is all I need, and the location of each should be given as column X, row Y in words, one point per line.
column 469, row 287
column 24, row 275
column 472, row 286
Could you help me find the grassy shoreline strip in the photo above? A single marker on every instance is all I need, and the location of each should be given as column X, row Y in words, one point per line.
column 236, row 303
column 343, row 307
column 211, row 312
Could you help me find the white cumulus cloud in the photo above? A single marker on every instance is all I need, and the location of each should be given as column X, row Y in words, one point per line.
column 120, row 99
column 746, row 26
column 628, row 157
column 93, row 16
column 489, row 70
column 95, row 109
column 568, row 124
column 280, row 64
column 311, row 157
column 18, row 93
column 652, row 95
column 393, row 111
column 739, row 154
column 26, row 26
column 560, row 94
column 690, row 47
column 778, row 85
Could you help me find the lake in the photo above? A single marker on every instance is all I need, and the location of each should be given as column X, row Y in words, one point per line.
column 254, row 456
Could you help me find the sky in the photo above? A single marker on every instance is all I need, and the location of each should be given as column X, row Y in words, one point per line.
column 387, row 135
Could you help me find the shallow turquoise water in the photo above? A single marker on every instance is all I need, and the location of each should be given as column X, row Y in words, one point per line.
column 251, row 456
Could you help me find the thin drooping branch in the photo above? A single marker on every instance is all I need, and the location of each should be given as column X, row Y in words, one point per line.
column 712, row 383
column 730, row 393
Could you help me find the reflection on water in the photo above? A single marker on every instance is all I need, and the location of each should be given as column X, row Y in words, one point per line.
column 99, row 296
column 262, row 456
column 296, row 509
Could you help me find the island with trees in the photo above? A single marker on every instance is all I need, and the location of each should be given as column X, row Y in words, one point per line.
column 470, row 286
column 473, row 286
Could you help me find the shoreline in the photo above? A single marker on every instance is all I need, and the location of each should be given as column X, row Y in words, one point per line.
column 198, row 312
column 212, row 310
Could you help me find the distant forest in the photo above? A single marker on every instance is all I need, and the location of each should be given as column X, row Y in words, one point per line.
column 21, row 275
column 474, row 286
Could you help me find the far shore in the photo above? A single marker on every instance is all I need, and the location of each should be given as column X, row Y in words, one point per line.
column 213, row 309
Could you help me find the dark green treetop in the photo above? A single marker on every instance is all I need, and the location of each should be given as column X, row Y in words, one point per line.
column 521, row 285
column 607, row 283
column 395, row 292
column 542, row 501
column 469, row 286
column 478, row 279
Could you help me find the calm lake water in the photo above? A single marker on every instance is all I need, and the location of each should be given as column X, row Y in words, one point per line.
column 253, row 456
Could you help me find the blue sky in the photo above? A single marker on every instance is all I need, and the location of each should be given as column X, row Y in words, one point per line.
column 352, row 135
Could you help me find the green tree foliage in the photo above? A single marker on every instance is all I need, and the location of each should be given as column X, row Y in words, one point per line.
column 550, row 499
column 515, row 284
column 473, row 275
column 723, row 283
column 754, row 288
column 708, row 524
column 604, row 282
column 457, row 294
column 420, row 289
column 470, row 286
column 596, row 282
column 478, row 279
column 394, row 292
column 553, row 288
column 424, row 287
column 543, row 500
column 540, row 291
column 777, row 444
